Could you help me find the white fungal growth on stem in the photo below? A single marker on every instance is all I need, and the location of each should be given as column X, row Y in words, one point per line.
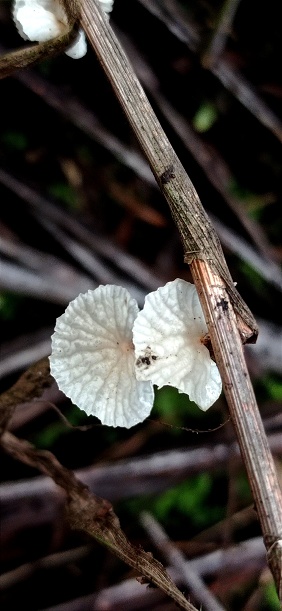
column 106, row 355
column 43, row 20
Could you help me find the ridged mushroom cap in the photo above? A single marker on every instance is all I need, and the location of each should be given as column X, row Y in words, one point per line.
column 93, row 357
column 168, row 338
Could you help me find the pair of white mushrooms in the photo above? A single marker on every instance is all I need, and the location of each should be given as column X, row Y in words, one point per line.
column 43, row 20
column 106, row 354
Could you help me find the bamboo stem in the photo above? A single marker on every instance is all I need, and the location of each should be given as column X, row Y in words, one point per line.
column 243, row 409
column 211, row 276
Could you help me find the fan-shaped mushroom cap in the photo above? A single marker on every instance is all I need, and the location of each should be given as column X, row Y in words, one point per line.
column 168, row 335
column 93, row 358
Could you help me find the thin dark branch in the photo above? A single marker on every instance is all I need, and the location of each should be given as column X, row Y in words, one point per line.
column 94, row 516
column 209, row 160
column 177, row 559
column 177, row 22
column 103, row 246
column 127, row 595
column 221, row 32
column 9, row 579
column 37, row 500
column 18, row 279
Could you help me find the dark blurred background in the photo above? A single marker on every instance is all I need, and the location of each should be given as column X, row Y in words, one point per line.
column 79, row 207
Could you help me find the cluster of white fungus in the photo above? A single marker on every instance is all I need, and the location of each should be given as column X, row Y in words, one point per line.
column 106, row 355
column 43, row 20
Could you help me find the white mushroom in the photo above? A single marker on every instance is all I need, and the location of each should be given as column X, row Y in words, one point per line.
column 93, row 358
column 42, row 20
column 168, row 335
column 36, row 22
column 79, row 47
column 107, row 5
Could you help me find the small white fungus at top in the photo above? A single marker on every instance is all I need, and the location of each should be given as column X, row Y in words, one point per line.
column 42, row 20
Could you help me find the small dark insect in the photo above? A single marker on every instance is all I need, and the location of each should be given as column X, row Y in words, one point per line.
column 147, row 358
column 223, row 304
column 167, row 175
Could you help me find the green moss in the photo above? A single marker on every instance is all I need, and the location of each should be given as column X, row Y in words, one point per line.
column 205, row 117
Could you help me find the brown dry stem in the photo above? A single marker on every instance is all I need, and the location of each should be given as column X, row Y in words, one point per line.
column 95, row 516
column 186, row 208
column 243, row 409
column 225, row 311
column 30, row 385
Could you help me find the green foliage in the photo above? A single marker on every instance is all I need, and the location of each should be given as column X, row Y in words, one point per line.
column 192, row 500
column 253, row 203
column 239, row 190
column 205, row 117
column 57, row 430
column 65, row 192
column 50, row 434
column 175, row 408
column 270, row 598
column 273, row 384
column 16, row 141
column 9, row 304
column 255, row 279
column 243, row 491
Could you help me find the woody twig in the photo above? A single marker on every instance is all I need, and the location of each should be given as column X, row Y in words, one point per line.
column 229, row 320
